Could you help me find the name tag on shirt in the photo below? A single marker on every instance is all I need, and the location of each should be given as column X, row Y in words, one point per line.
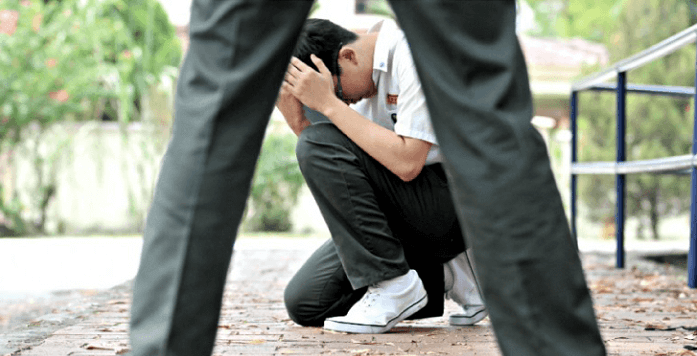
column 392, row 99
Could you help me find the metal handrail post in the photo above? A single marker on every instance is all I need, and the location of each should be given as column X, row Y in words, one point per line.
column 574, row 159
column 621, row 157
column 692, row 253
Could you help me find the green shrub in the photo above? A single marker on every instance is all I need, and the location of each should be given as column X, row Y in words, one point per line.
column 276, row 185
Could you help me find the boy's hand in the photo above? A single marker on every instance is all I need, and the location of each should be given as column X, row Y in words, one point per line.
column 312, row 88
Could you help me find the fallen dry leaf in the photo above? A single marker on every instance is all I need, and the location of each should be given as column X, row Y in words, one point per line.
column 96, row 347
column 639, row 300
column 332, row 332
column 657, row 327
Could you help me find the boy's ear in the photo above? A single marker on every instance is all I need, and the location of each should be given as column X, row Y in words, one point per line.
column 349, row 54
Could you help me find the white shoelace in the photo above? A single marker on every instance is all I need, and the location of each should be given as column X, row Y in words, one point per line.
column 368, row 298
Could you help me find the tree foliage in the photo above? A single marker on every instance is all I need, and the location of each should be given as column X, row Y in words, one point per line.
column 146, row 48
column 589, row 19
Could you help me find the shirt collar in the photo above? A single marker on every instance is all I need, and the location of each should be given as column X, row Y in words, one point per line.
column 383, row 45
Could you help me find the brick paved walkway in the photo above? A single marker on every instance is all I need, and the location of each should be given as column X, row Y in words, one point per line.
column 645, row 310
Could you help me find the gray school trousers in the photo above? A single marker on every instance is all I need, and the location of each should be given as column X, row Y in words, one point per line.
column 381, row 227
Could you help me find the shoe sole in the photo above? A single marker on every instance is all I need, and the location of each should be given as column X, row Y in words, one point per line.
column 375, row 329
column 467, row 320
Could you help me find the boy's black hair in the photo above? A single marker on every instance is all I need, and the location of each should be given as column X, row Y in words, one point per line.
column 324, row 39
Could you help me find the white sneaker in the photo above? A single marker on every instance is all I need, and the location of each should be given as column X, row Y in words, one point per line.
column 471, row 314
column 461, row 286
column 382, row 306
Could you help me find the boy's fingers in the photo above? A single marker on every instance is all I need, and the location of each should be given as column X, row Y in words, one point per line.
column 319, row 63
column 298, row 65
column 287, row 89
column 292, row 71
column 289, row 76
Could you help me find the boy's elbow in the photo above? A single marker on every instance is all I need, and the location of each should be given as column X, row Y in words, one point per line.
column 407, row 174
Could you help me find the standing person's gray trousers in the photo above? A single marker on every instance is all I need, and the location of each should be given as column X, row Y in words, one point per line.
column 475, row 81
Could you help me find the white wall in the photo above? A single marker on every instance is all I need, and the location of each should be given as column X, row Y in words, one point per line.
column 104, row 179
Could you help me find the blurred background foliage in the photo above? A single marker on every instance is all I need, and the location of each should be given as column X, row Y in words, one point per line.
column 276, row 186
column 65, row 59
column 146, row 49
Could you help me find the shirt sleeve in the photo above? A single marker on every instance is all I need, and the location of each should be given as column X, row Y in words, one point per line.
column 413, row 119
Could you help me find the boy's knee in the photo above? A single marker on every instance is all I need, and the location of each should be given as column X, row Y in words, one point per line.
column 292, row 303
column 315, row 142
column 296, row 306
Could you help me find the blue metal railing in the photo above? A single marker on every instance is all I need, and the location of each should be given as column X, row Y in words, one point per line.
column 620, row 167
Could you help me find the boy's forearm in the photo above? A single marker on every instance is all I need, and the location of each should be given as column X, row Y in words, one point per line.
column 403, row 156
column 297, row 122
column 292, row 112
